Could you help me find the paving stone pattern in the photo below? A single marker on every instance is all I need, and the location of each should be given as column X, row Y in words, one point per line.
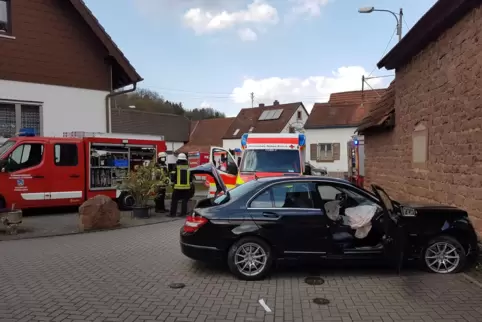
column 124, row 275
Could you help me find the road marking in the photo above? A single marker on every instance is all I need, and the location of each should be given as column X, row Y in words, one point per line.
column 265, row 307
column 473, row 280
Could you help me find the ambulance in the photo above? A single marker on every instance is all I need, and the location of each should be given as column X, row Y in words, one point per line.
column 39, row 172
column 263, row 155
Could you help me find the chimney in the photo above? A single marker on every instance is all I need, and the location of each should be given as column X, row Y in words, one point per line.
column 261, row 105
column 276, row 103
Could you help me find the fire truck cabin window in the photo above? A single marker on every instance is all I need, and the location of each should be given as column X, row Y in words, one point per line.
column 66, row 155
column 25, row 156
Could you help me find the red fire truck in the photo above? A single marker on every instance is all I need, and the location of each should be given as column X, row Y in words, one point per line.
column 196, row 158
column 264, row 155
column 39, row 172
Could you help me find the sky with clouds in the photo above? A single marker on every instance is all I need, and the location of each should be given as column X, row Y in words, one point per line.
column 215, row 53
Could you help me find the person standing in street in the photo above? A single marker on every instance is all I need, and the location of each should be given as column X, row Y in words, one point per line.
column 162, row 176
column 182, row 181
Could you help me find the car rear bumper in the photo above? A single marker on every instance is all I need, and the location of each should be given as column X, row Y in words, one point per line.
column 201, row 253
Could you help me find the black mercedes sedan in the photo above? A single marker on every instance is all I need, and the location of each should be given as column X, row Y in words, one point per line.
column 310, row 217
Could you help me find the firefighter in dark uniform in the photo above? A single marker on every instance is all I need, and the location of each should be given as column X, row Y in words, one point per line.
column 181, row 180
column 162, row 176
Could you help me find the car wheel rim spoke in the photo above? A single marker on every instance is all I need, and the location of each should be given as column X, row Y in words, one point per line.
column 250, row 259
column 442, row 257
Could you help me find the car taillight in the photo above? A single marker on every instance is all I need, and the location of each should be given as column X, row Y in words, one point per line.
column 193, row 223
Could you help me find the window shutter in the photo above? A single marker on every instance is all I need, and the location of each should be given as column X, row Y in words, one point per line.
column 336, row 151
column 313, row 152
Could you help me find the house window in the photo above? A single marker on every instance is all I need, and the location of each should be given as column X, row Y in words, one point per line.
column 325, row 151
column 298, row 115
column 420, row 146
column 8, row 125
column 15, row 116
column 236, row 132
column 5, row 16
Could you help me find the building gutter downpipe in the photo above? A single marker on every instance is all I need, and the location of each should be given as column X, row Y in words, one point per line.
column 108, row 107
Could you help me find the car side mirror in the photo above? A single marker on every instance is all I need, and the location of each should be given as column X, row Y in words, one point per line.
column 3, row 165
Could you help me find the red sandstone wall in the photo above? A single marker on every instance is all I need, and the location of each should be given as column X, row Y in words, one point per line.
column 441, row 87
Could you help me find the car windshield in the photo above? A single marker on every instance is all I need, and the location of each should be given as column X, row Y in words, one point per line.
column 5, row 147
column 285, row 161
column 237, row 192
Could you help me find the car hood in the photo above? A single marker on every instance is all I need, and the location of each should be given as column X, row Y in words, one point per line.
column 430, row 207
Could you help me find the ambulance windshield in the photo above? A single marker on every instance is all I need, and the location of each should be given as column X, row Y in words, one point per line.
column 5, row 147
column 284, row 161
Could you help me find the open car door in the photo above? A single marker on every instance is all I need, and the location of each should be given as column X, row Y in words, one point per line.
column 394, row 239
column 224, row 161
column 210, row 170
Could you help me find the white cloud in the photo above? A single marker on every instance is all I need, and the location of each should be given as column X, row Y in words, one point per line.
column 247, row 34
column 204, row 21
column 310, row 7
column 205, row 104
column 308, row 90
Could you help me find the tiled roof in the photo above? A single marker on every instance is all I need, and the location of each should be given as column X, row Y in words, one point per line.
column 380, row 111
column 356, row 96
column 124, row 73
column 248, row 117
column 206, row 133
column 343, row 109
column 175, row 128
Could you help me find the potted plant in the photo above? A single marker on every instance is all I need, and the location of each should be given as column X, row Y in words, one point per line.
column 140, row 184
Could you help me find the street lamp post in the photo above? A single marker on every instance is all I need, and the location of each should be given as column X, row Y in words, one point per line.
column 398, row 17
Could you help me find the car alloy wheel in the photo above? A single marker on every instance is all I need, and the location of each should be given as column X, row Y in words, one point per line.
column 444, row 255
column 250, row 258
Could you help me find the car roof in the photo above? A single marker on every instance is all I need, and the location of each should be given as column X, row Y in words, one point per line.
column 303, row 178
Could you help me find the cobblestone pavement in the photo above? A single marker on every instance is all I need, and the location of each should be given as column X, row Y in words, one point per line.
column 64, row 222
column 123, row 275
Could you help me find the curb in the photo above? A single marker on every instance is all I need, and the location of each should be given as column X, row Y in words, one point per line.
column 95, row 231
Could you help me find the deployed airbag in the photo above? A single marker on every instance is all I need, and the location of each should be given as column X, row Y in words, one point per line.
column 359, row 218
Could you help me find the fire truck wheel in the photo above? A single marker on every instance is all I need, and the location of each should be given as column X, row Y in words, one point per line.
column 2, row 203
column 125, row 201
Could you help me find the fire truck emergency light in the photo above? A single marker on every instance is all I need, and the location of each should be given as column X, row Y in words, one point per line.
column 27, row 131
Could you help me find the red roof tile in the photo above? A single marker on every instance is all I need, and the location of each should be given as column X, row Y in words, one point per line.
column 206, row 133
column 248, row 117
column 380, row 111
column 356, row 96
column 343, row 109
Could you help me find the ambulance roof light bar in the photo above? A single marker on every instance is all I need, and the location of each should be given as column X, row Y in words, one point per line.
column 301, row 140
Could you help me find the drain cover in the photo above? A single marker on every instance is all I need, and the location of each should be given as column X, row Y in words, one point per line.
column 177, row 285
column 314, row 280
column 321, row 301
